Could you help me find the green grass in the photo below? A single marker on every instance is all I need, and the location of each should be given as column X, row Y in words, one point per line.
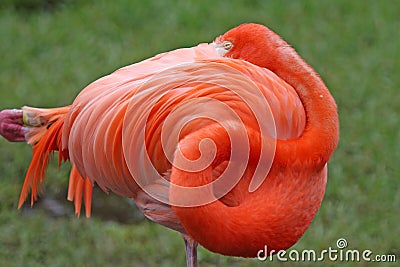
column 48, row 54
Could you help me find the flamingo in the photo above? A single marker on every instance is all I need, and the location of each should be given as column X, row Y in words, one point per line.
column 226, row 143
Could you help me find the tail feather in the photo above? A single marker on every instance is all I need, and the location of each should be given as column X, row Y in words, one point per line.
column 79, row 188
column 46, row 138
column 44, row 120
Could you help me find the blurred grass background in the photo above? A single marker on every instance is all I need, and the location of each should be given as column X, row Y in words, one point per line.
column 51, row 49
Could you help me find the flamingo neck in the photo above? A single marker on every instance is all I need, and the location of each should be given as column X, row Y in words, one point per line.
column 321, row 133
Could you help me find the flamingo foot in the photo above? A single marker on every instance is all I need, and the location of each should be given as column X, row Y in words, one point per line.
column 12, row 126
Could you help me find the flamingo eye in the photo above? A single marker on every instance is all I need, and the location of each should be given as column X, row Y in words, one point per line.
column 227, row 45
column 223, row 48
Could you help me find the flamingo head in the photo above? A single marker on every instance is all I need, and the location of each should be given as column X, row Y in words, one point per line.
column 252, row 42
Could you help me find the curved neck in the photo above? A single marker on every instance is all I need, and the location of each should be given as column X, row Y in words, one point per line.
column 321, row 134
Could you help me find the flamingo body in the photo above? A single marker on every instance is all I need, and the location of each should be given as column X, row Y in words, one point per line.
column 158, row 130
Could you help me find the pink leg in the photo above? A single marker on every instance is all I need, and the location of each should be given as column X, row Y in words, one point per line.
column 191, row 251
column 12, row 126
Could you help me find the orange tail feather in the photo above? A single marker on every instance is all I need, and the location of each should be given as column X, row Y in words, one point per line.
column 79, row 188
column 46, row 139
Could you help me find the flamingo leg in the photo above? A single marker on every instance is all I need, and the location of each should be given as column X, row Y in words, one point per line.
column 191, row 251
